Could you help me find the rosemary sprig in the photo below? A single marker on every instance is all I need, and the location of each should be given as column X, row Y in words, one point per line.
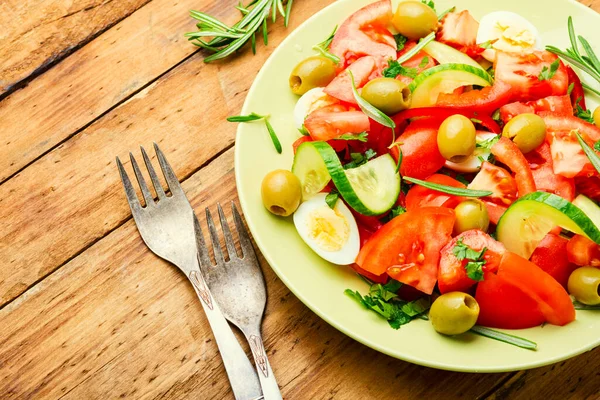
column 323, row 47
column 422, row 43
column 256, row 117
column 226, row 40
column 455, row 191
column 589, row 152
column 587, row 62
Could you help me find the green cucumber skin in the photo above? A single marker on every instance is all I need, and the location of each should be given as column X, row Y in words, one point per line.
column 447, row 67
column 561, row 205
column 589, row 208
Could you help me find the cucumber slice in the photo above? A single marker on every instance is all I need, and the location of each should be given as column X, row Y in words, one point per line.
column 310, row 168
column 529, row 219
column 370, row 189
column 589, row 207
column 445, row 78
column 445, row 54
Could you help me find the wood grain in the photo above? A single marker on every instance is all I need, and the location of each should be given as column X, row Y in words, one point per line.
column 38, row 33
column 117, row 322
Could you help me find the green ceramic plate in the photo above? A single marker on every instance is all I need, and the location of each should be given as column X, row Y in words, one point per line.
column 321, row 285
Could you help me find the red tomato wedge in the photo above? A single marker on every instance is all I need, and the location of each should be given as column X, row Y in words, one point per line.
column 421, row 157
column 365, row 33
column 495, row 211
column 577, row 94
column 443, row 113
column 414, row 62
column 503, row 305
column 408, row 247
column 419, row 196
column 341, row 86
column 559, row 105
column 540, row 162
column 553, row 300
column 497, row 180
column 522, row 73
column 333, row 121
column 589, row 187
column 583, row 252
column 486, row 100
column 509, row 154
column 452, row 275
column 551, row 256
column 458, row 29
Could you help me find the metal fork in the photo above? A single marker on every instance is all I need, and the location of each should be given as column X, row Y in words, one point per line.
column 167, row 226
column 238, row 286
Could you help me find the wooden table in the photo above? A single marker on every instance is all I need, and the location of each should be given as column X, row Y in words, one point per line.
column 86, row 311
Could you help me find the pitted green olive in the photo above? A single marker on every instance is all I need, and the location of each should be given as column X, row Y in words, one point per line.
column 389, row 95
column 456, row 138
column 454, row 313
column 414, row 19
column 281, row 192
column 313, row 72
column 584, row 285
column 471, row 214
column 528, row 131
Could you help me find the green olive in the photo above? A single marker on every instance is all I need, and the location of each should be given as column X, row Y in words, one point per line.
column 281, row 192
column 387, row 94
column 584, row 285
column 597, row 116
column 471, row 214
column 414, row 19
column 454, row 313
column 313, row 72
column 528, row 131
column 456, row 138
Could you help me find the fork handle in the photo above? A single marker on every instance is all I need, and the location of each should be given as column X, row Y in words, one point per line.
column 269, row 385
column 242, row 376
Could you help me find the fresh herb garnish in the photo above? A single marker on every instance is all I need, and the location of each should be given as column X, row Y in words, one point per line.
column 496, row 116
column 323, row 47
column 546, row 73
column 361, row 137
column 446, row 12
column 475, row 260
column 581, row 306
column 412, row 52
column 400, row 154
column 226, row 40
column 371, row 111
column 332, row 198
column 491, row 71
column 449, row 189
column 589, row 152
column 304, row 131
column 424, row 62
column 486, row 44
column 570, row 88
column 597, row 146
column 400, row 41
column 359, row 159
column 429, row 3
column 588, row 63
column 383, row 300
column 395, row 68
column 591, row 89
column 487, row 144
column 475, row 120
column 585, row 115
column 256, row 117
column 394, row 212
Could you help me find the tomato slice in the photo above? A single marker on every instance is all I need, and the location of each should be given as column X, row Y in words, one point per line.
column 421, row 157
column 509, row 154
column 522, row 73
column 299, row 141
column 365, row 33
column 452, row 275
column 341, row 86
column 419, row 196
column 559, row 105
column 458, row 29
column 556, row 122
column 333, row 121
column 540, row 162
column 589, row 187
column 495, row 211
column 503, row 305
column 443, row 113
column 551, row 256
column 553, row 300
column 497, row 180
column 485, row 100
column 583, row 252
column 408, row 247
column 577, row 94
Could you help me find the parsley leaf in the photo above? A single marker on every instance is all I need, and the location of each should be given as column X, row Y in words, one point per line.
column 570, row 88
column 424, row 62
column 585, row 115
column 304, row 131
column 395, row 68
column 487, row 144
column 359, row 159
column 475, row 260
column 332, row 198
column 429, row 3
column 546, row 73
column 597, row 146
column 394, row 212
column 361, row 137
column 400, row 41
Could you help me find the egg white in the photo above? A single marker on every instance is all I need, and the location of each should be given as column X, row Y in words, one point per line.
column 310, row 101
column 488, row 31
column 349, row 251
column 473, row 163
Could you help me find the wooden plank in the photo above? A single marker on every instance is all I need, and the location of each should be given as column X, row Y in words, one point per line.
column 38, row 33
column 118, row 322
column 71, row 197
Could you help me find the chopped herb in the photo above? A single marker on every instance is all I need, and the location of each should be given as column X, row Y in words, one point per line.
column 589, row 152
column 581, row 306
column 597, row 146
column 398, row 210
column 585, row 115
column 475, row 120
column 256, row 117
column 496, row 116
column 361, row 137
column 400, row 154
column 359, row 159
column 371, row 111
column 412, row 52
column 400, row 41
column 370, row 153
column 424, row 62
column 446, row 12
column 504, row 337
column 394, row 69
column 546, row 73
column 429, row 3
column 404, row 187
column 323, row 47
column 304, row 131
column 487, row 144
column 449, row 189
column 570, row 88
column 332, row 198
column 475, row 260
column 245, row 118
column 487, row 44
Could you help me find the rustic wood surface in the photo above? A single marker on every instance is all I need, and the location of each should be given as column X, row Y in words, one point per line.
column 86, row 311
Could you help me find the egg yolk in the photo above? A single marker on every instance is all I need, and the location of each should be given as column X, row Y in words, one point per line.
column 328, row 228
column 512, row 37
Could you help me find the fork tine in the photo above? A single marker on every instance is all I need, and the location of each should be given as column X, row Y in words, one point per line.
column 141, row 181
column 170, row 176
column 155, row 182
column 214, row 238
column 229, row 242
column 203, row 257
column 245, row 242
column 132, row 199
